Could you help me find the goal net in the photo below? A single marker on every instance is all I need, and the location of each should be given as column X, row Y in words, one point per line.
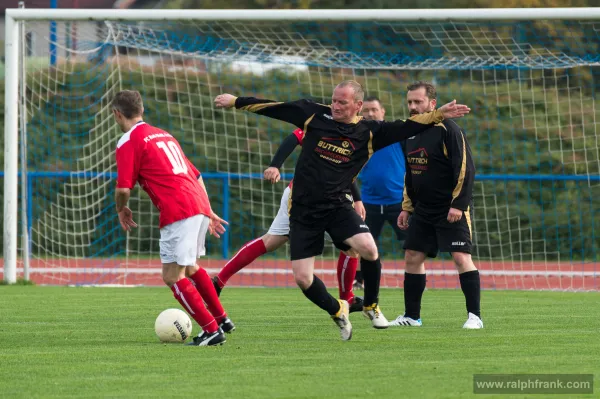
column 533, row 129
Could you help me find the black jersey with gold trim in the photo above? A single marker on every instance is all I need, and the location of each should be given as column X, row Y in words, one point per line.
column 439, row 170
column 333, row 153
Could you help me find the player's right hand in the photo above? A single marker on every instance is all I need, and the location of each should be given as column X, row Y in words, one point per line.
column 224, row 100
column 272, row 174
column 126, row 219
column 403, row 220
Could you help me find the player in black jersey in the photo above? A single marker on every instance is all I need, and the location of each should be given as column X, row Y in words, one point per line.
column 438, row 196
column 337, row 143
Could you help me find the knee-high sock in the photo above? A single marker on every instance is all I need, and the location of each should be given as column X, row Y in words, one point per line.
column 372, row 274
column 317, row 293
column 190, row 299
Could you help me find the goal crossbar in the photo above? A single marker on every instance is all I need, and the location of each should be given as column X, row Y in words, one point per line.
column 463, row 14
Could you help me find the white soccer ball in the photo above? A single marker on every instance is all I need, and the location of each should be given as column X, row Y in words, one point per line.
column 173, row 325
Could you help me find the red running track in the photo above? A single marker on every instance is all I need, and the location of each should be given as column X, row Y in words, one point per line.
column 277, row 273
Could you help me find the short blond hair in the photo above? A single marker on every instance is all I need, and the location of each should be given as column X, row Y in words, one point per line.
column 359, row 93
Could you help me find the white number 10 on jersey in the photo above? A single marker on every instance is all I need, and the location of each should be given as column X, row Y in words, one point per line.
column 174, row 155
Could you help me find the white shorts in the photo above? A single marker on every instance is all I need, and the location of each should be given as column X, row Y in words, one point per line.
column 281, row 223
column 182, row 242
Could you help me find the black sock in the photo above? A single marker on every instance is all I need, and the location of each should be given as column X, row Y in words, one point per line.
column 372, row 274
column 469, row 282
column 414, row 285
column 317, row 293
column 359, row 276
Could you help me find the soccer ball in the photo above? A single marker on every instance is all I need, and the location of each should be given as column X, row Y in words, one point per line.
column 173, row 325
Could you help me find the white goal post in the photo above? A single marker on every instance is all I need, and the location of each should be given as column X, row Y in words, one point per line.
column 13, row 41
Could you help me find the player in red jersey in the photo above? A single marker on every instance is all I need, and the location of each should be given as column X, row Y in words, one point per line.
column 279, row 232
column 154, row 158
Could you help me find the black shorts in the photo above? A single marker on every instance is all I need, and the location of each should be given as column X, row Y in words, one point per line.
column 377, row 215
column 308, row 226
column 432, row 233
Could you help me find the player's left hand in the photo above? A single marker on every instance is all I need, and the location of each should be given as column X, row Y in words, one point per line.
column 126, row 219
column 272, row 174
column 360, row 209
column 454, row 215
column 454, row 110
column 225, row 100
column 216, row 227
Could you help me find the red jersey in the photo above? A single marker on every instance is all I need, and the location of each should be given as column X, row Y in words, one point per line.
column 299, row 133
column 154, row 158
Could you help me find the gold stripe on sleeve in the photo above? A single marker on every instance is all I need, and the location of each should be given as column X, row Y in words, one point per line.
column 258, row 107
column 306, row 126
column 428, row 117
column 406, row 202
column 463, row 170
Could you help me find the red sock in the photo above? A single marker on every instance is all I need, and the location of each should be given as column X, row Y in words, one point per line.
column 243, row 258
column 346, row 271
column 206, row 289
column 190, row 299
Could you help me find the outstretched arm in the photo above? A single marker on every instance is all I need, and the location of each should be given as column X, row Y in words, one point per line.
column 387, row 133
column 298, row 113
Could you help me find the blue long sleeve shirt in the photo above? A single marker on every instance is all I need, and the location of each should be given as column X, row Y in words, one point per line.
column 382, row 178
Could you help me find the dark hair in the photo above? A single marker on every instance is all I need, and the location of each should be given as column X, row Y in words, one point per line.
column 429, row 88
column 373, row 98
column 129, row 103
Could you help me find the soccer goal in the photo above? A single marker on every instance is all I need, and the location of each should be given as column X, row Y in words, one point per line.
column 530, row 76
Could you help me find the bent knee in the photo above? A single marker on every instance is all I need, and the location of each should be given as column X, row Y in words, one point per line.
column 169, row 280
column 172, row 274
column 303, row 280
column 370, row 252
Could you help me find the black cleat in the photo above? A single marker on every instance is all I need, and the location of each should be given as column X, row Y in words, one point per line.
column 357, row 304
column 215, row 281
column 209, row 339
column 228, row 327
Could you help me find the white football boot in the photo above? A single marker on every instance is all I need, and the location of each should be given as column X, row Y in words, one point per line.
column 406, row 321
column 473, row 322
column 374, row 314
column 343, row 321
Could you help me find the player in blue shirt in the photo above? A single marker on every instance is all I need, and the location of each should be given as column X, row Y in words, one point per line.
column 382, row 183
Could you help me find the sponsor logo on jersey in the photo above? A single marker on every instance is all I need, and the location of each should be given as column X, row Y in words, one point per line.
column 458, row 243
column 417, row 161
column 335, row 149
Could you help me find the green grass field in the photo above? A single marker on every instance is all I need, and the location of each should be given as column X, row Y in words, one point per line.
column 100, row 342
